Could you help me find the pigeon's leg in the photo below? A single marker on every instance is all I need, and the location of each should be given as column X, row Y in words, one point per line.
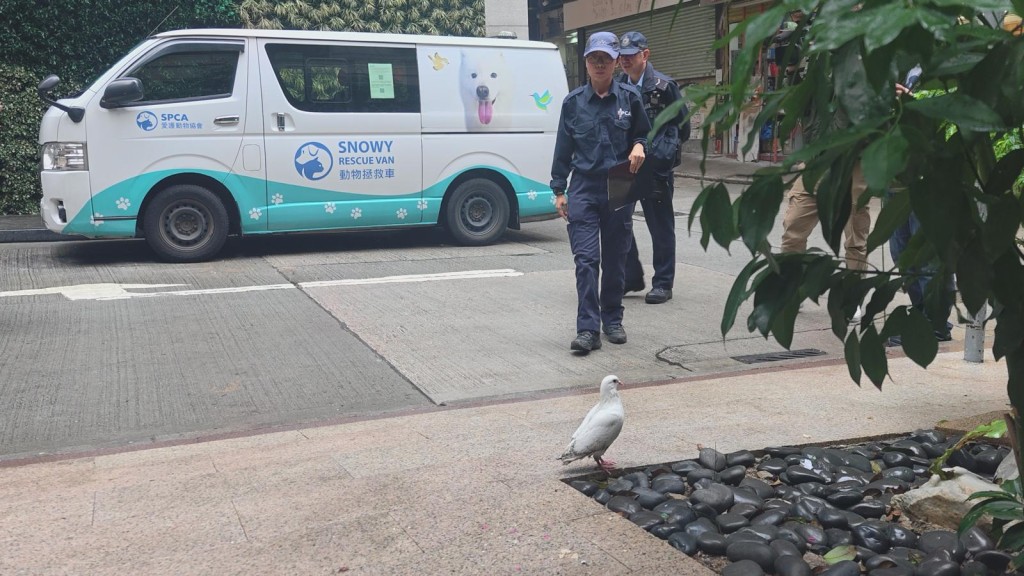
column 605, row 464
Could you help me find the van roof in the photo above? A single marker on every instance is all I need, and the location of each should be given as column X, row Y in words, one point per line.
column 355, row 37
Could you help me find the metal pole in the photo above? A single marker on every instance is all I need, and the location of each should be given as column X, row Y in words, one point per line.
column 974, row 339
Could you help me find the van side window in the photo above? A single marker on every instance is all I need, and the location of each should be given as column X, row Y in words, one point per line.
column 191, row 75
column 331, row 78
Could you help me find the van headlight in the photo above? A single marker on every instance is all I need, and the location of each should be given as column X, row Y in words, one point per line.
column 64, row 156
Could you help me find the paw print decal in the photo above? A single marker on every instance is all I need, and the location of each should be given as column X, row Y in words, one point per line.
column 277, row 199
column 532, row 194
column 402, row 213
column 357, row 213
column 422, row 205
column 95, row 220
column 329, row 207
column 255, row 213
column 123, row 203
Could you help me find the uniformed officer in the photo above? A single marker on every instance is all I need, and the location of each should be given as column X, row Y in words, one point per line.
column 602, row 124
column 658, row 92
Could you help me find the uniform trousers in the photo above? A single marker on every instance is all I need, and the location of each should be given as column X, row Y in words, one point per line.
column 802, row 216
column 661, row 222
column 600, row 238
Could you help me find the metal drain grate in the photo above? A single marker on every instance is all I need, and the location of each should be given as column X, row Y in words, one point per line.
column 777, row 356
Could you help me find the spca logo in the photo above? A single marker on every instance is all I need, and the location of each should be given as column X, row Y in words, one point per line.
column 624, row 114
column 313, row 161
column 147, row 121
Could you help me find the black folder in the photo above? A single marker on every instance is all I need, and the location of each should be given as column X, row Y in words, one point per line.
column 625, row 187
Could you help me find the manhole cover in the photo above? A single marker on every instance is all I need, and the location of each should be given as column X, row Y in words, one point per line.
column 777, row 356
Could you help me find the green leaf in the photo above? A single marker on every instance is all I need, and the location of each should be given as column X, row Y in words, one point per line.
column 698, row 203
column 739, row 294
column 717, row 216
column 992, row 494
column 840, row 554
column 974, row 276
column 954, row 61
column 1003, row 510
column 1013, row 539
column 818, row 274
column 884, row 159
column 966, row 112
column 758, row 207
column 895, row 211
column 885, row 24
column 764, row 25
column 896, row 322
column 919, row 341
column 851, row 351
column 1008, row 169
column 880, row 299
column 872, row 356
column 1001, row 226
column 857, row 96
column 785, row 319
column 974, row 4
column 833, row 197
column 971, row 518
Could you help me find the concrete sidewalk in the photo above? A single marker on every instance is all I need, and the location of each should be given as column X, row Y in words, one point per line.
column 461, row 490
column 30, row 228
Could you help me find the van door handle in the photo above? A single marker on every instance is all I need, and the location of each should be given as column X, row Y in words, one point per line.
column 226, row 120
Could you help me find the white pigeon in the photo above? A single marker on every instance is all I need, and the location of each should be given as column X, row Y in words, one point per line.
column 600, row 428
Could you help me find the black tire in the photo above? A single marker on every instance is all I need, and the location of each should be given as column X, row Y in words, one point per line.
column 186, row 223
column 477, row 212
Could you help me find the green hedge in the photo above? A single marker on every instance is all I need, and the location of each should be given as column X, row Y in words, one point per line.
column 77, row 40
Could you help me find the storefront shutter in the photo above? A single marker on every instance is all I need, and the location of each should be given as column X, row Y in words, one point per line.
column 685, row 53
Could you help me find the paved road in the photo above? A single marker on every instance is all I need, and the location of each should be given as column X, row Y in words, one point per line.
column 100, row 346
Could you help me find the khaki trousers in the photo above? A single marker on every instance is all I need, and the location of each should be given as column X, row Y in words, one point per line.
column 802, row 216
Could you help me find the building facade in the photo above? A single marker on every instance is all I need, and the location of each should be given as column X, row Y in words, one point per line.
column 681, row 36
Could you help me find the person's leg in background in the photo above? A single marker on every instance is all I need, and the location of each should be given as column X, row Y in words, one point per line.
column 858, row 226
column 801, row 217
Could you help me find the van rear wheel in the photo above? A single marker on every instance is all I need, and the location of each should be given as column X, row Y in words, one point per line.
column 186, row 223
column 477, row 212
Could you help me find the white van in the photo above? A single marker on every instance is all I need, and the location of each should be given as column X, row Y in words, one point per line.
column 197, row 134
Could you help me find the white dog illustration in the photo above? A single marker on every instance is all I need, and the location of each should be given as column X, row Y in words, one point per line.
column 486, row 91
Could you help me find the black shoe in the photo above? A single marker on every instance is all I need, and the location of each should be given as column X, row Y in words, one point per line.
column 893, row 341
column 616, row 334
column 943, row 336
column 586, row 341
column 635, row 285
column 658, row 296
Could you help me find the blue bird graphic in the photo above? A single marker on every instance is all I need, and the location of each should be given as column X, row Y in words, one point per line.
column 542, row 100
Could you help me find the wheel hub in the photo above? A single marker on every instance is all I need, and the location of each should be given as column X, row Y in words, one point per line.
column 478, row 212
column 186, row 224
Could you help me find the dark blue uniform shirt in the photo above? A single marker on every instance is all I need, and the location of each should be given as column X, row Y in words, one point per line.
column 597, row 133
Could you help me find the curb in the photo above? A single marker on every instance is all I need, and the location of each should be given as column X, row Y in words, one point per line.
column 29, row 228
column 43, row 235
column 735, row 179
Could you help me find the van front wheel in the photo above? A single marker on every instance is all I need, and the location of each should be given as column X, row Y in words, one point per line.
column 186, row 223
column 477, row 212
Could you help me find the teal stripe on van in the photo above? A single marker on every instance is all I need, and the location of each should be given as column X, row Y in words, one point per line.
column 294, row 208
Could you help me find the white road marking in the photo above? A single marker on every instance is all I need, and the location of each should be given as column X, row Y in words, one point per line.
column 113, row 291
column 508, row 272
column 91, row 291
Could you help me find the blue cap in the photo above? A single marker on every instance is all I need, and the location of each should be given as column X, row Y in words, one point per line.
column 602, row 42
column 632, row 43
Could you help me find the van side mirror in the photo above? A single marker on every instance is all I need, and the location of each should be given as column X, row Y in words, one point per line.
column 122, row 92
column 43, row 90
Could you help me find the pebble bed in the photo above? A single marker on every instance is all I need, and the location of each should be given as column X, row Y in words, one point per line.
column 780, row 511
